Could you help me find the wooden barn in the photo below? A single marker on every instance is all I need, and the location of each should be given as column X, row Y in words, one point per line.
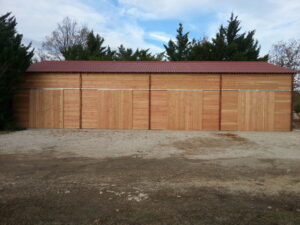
column 249, row 96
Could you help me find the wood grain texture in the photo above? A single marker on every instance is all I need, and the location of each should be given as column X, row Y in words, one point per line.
column 46, row 109
column 53, row 109
column 185, row 81
column 51, row 80
column 185, row 110
column 115, row 81
column 140, row 110
column 282, row 117
column 71, row 109
column 211, row 110
column 229, row 110
column 159, row 110
column 169, row 109
column 21, row 107
column 256, row 111
column 257, row 81
column 114, row 109
column 90, row 109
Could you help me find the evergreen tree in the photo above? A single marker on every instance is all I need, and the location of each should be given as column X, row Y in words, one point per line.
column 14, row 60
column 95, row 49
column 229, row 45
column 127, row 54
column 201, row 50
column 75, row 52
column 110, row 54
column 92, row 50
column 180, row 49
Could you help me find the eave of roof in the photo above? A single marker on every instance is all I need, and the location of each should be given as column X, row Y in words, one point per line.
column 190, row 67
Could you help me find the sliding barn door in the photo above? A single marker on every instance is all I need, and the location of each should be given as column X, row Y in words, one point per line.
column 115, row 101
column 48, row 100
column 256, row 102
column 185, row 102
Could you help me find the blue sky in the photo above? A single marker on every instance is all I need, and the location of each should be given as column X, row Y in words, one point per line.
column 150, row 24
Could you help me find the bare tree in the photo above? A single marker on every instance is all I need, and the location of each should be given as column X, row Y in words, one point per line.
column 68, row 33
column 287, row 54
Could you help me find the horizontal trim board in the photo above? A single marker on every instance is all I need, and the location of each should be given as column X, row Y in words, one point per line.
column 49, row 89
column 168, row 72
column 256, row 90
column 112, row 89
column 185, row 89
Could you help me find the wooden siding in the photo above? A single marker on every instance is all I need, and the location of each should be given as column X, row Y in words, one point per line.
column 36, row 107
column 184, row 81
column 256, row 81
column 21, row 107
column 185, row 110
column 174, row 107
column 115, row 108
column 140, row 110
column 167, row 101
column 46, row 109
column 51, row 80
column 71, row 105
column 115, row 81
column 265, row 108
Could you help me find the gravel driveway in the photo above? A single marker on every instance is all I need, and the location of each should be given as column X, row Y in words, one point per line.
column 75, row 176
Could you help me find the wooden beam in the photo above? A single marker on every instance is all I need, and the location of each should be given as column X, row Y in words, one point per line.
column 149, row 100
column 80, row 100
column 220, row 103
column 292, row 104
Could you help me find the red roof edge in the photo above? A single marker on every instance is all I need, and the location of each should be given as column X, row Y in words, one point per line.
column 226, row 67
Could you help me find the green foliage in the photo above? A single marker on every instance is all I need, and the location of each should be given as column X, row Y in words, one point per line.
column 127, row 54
column 14, row 60
column 297, row 108
column 228, row 45
column 93, row 50
column 179, row 50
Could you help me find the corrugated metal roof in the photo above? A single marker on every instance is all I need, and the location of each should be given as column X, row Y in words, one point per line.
column 157, row 67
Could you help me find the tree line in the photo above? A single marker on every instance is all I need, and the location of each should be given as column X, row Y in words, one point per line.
column 69, row 41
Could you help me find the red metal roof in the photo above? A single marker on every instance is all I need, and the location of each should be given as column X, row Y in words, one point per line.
column 157, row 67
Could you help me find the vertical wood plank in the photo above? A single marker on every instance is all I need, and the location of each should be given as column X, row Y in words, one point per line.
column 140, row 110
column 159, row 109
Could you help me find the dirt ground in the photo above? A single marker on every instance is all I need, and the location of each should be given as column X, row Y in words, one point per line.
column 149, row 177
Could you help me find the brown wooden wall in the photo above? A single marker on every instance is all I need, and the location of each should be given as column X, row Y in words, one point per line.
column 256, row 102
column 185, row 102
column 115, row 101
column 48, row 101
column 157, row 101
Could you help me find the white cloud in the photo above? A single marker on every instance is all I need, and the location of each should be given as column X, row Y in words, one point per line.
column 273, row 20
column 117, row 22
column 160, row 36
column 37, row 19
column 162, row 9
